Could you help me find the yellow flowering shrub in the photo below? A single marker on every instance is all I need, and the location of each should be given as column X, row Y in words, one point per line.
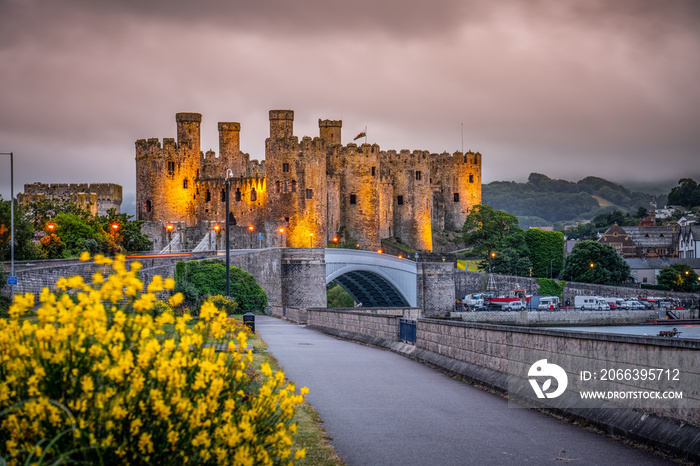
column 89, row 375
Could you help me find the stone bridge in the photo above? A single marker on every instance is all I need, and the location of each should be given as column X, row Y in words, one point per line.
column 294, row 277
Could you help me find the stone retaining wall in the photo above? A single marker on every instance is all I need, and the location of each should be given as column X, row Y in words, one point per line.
column 384, row 326
column 499, row 348
column 292, row 314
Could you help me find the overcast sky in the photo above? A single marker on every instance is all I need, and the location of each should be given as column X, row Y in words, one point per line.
column 568, row 88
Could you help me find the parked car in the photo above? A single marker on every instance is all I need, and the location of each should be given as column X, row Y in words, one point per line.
column 634, row 305
column 515, row 306
column 593, row 303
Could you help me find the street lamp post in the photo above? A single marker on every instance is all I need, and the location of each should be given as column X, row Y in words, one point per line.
column 493, row 256
column 229, row 174
column 12, row 279
column 251, row 229
column 115, row 229
column 311, row 240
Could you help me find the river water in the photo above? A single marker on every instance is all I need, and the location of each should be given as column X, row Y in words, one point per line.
column 687, row 331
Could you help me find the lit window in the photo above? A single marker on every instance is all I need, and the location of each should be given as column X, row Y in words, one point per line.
column 253, row 196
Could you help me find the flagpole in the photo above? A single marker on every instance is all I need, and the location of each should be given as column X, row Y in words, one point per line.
column 365, row 135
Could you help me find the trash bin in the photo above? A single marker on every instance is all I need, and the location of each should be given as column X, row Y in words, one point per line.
column 249, row 320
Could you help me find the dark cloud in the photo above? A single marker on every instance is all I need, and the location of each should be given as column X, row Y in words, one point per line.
column 569, row 89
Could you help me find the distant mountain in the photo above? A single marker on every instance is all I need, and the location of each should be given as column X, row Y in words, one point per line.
column 543, row 201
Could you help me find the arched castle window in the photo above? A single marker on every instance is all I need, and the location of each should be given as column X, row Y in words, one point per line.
column 294, row 186
column 223, row 195
column 353, row 199
column 253, row 195
column 207, row 196
column 148, row 205
column 238, row 195
column 374, row 171
column 231, row 219
column 185, row 183
column 285, row 168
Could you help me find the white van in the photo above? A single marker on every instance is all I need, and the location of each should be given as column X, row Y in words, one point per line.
column 594, row 303
column 548, row 303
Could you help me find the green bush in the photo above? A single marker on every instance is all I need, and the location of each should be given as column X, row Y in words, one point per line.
column 550, row 287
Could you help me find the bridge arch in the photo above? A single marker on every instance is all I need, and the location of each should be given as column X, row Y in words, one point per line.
column 375, row 280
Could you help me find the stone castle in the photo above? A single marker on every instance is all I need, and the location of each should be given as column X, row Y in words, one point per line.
column 96, row 198
column 315, row 189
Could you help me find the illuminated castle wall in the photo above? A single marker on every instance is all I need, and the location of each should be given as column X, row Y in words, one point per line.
column 315, row 188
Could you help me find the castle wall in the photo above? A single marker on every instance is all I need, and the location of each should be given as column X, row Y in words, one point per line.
column 96, row 198
column 456, row 181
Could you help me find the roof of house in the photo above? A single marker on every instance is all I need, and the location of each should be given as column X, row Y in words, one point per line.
column 638, row 264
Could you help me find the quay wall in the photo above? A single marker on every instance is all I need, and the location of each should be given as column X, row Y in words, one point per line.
column 569, row 317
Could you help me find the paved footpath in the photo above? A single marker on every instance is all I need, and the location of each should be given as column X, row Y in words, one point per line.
column 381, row 408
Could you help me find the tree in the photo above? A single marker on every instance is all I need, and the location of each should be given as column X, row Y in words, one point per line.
column 129, row 236
column 25, row 249
column 594, row 262
column 336, row 296
column 687, row 194
column 74, row 229
column 209, row 278
column 678, row 277
column 546, row 252
column 485, row 229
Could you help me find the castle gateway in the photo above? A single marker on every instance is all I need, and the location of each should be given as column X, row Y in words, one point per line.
column 314, row 189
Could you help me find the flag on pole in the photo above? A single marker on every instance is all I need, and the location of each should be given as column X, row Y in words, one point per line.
column 361, row 135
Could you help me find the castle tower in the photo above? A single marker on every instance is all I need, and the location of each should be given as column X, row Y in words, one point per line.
column 230, row 149
column 358, row 174
column 165, row 176
column 330, row 131
column 411, row 200
column 296, row 182
column 188, row 131
column 281, row 124
column 465, row 189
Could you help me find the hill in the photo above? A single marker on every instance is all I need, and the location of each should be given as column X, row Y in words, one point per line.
column 544, row 201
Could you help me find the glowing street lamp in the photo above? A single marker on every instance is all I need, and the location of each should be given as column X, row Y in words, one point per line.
column 493, row 256
column 51, row 227
column 217, row 229
column 251, row 229
column 170, row 227
column 311, row 240
column 280, row 230
column 379, row 251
